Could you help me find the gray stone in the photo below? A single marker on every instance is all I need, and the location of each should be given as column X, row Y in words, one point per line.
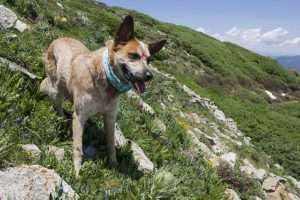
column 229, row 158
column 141, row 160
column 31, row 149
column 58, row 152
column 158, row 127
column 20, row 26
column 232, row 195
column 142, row 105
column 7, row 17
column 294, row 181
column 15, row 67
column 34, row 182
column 271, row 183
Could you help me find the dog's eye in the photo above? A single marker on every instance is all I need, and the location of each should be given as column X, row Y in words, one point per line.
column 134, row 56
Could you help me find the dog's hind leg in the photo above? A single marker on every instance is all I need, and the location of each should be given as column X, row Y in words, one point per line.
column 78, row 127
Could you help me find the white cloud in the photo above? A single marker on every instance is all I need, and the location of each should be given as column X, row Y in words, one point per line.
column 201, row 29
column 276, row 36
column 291, row 42
column 251, row 35
column 234, row 31
column 276, row 41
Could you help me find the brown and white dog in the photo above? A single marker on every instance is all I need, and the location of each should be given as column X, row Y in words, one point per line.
column 76, row 73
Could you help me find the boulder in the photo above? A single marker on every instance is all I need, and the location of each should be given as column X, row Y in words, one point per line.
column 158, row 127
column 294, row 181
column 142, row 105
column 20, row 26
column 15, row 67
column 251, row 171
column 31, row 149
column 229, row 158
column 143, row 163
column 34, row 182
column 271, row 183
column 7, row 17
column 59, row 153
column 231, row 195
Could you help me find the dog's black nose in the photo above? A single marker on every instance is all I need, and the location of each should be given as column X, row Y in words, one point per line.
column 148, row 76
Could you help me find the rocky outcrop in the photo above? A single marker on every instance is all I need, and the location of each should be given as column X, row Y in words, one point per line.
column 143, row 163
column 141, row 104
column 31, row 149
column 231, row 195
column 15, row 67
column 34, row 182
column 8, row 19
column 59, row 153
column 251, row 171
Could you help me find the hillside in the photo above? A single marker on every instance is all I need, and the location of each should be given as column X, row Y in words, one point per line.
column 187, row 136
column 291, row 62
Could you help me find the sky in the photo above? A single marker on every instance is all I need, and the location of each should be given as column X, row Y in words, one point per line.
column 269, row 27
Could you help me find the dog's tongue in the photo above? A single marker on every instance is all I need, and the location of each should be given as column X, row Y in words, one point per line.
column 140, row 86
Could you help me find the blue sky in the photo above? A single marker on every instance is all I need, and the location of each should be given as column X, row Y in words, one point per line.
column 270, row 27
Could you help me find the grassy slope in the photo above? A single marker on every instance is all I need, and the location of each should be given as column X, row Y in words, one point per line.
column 233, row 77
column 27, row 117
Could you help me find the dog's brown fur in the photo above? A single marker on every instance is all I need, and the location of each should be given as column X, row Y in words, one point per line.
column 76, row 73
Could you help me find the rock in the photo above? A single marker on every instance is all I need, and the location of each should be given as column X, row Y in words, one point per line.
column 164, row 178
column 197, row 145
column 270, row 95
column 34, row 182
column 231, row 195
column 20, row 26
column 120, row 140
column 7, row 17
column 247, row 141
column 143, row 163
column 279, row 194
column 60, row 5
column 251, row 171
column 294, row 182
column 278, row 166
column 293, row 196
column 32, row 149
column 271, row 183
column 58, row 152
column 158, row 127
column 141, row 160
column 15, row 67
column 229, row 158
column 142, row 105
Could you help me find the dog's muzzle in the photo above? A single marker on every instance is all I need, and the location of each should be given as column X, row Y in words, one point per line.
column 137, row 81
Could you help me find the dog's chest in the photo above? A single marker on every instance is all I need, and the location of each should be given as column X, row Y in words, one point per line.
column 97, row 103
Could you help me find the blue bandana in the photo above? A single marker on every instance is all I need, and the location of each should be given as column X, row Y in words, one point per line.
column 111, row 76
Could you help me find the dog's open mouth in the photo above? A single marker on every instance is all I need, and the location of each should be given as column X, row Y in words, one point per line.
column 137, row 83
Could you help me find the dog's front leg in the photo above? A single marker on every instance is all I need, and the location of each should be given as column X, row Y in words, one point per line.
column 109, row 126
column 78, row 127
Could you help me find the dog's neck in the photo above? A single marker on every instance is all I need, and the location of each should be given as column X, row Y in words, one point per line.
column 114, row 85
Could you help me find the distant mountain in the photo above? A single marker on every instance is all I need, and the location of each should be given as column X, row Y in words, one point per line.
column 291, row 62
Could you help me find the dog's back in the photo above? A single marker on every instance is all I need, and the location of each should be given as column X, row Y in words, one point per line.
column 58, row 59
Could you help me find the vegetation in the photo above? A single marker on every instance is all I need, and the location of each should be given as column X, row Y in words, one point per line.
column 233, row 77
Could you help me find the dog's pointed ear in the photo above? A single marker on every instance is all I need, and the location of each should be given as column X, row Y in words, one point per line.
column 125, row 31
column 156, row 46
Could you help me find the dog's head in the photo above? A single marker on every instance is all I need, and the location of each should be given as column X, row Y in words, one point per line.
column 131, row 57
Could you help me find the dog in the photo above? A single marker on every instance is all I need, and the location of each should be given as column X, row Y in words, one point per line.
column 94, row 80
